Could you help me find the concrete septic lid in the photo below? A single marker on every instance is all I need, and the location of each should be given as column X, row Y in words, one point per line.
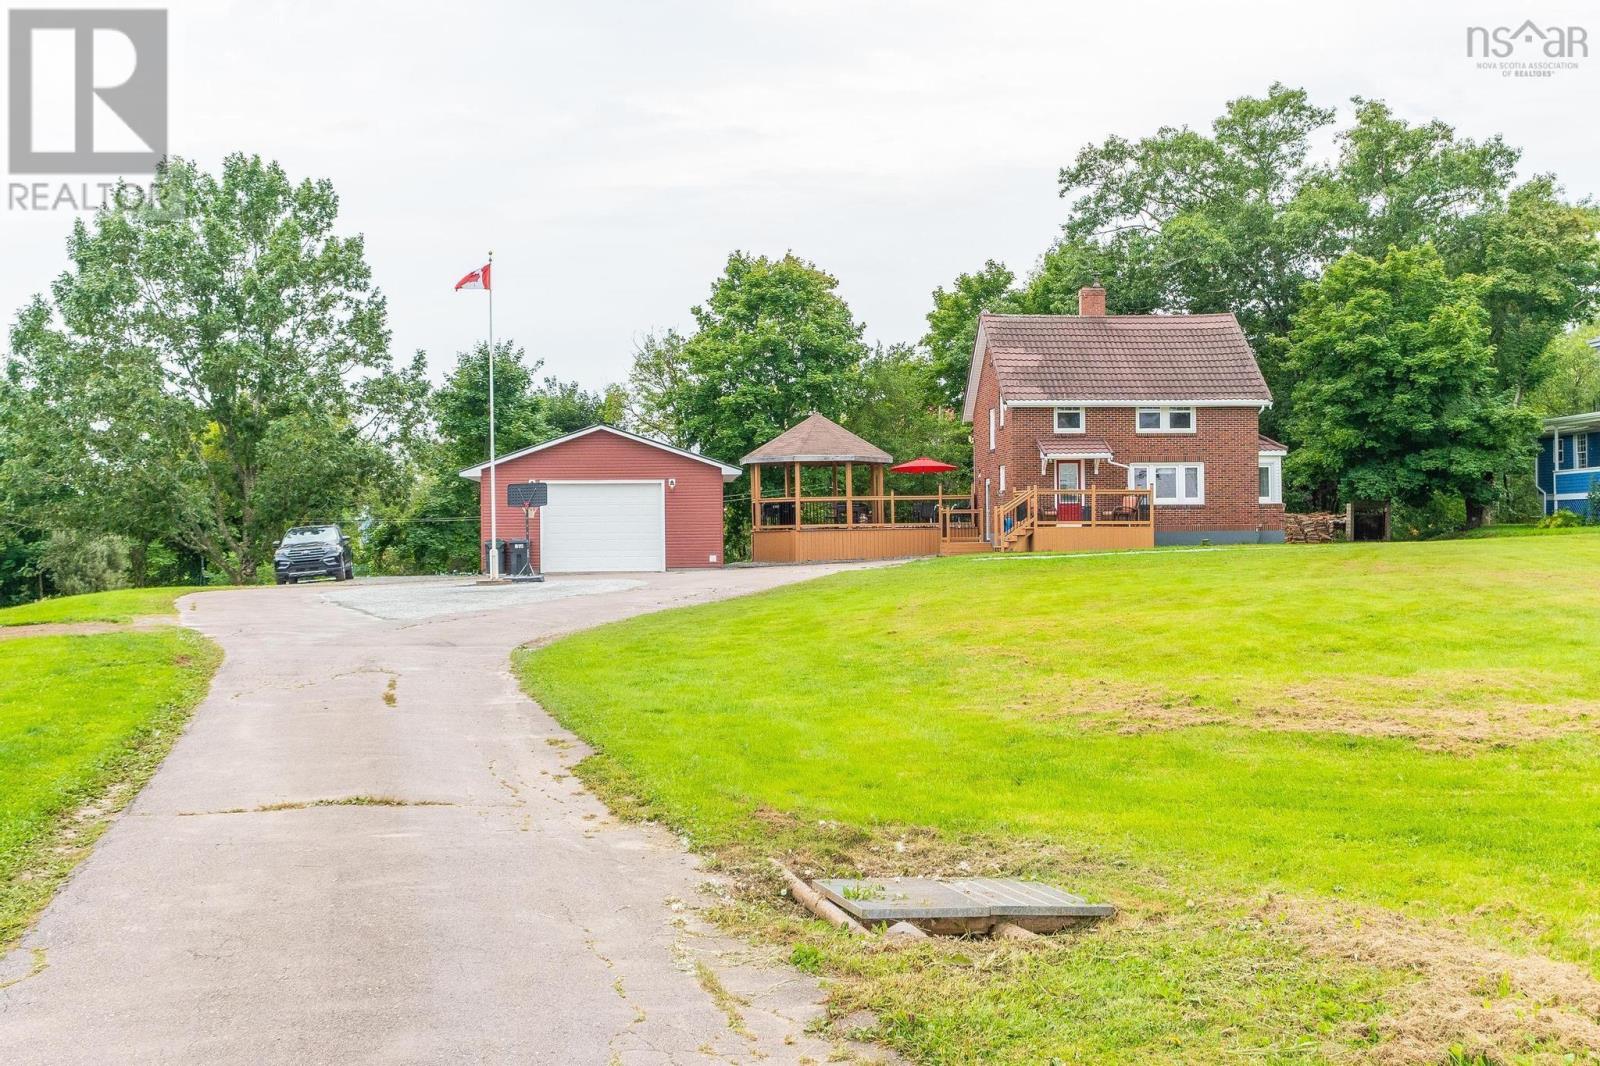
column 918, row 898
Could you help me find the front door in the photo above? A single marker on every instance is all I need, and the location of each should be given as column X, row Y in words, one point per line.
column 1069, row 490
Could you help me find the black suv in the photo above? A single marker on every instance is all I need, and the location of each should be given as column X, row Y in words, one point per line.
column 313, row 551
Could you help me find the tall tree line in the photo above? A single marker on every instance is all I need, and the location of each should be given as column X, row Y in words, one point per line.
column 1245, row 217
column 199, row 379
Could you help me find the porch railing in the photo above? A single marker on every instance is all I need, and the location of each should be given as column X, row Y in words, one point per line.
column 1096, row 507
column 1033, row 507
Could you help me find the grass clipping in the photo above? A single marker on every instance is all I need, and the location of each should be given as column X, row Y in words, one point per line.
column 1467, row 1000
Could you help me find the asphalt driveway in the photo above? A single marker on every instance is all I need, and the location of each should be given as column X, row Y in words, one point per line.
column 367, row 848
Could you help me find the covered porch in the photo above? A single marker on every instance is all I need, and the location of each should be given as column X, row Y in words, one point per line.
column 817, row 494
column 1071, row 507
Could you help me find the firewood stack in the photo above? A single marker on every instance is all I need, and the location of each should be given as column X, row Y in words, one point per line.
column 1316, row 528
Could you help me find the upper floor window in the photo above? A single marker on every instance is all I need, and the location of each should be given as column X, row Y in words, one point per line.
column 1164, row 420
column 991, row 429
column 1069, row 420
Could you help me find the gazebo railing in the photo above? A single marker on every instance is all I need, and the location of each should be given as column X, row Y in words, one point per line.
column 844, row 512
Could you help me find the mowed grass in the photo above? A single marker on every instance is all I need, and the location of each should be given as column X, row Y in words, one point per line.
column 84, row 720
column 1408, row 727
column 120, row 605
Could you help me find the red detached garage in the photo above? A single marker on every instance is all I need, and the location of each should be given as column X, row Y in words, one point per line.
column 618, row 501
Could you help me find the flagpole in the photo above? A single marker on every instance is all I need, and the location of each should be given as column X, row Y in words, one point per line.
column 494, row 489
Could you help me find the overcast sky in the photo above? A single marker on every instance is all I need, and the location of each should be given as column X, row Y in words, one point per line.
column 612, row 154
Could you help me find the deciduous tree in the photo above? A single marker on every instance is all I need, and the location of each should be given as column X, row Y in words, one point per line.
column 220, row 367
column 774, row 342
column 1396, row 394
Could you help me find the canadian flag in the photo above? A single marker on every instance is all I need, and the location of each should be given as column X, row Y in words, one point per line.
column 478, row 279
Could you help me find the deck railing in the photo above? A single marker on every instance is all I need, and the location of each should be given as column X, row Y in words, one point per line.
column 843, row 512
column 1096, row 507
column 960, row 525
column 1033, row 507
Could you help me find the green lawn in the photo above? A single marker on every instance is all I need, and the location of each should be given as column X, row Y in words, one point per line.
column 1405, row 729
column 122, row 605
column 84, row 720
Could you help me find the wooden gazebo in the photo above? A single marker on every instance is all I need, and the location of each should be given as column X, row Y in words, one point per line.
column 838, row 523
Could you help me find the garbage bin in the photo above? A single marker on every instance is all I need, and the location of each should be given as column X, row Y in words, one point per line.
column 518, row 562
column 491, row 545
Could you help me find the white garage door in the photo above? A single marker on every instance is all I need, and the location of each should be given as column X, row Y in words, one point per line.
column 603, row 525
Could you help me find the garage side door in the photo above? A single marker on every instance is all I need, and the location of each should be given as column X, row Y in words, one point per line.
column 603, row 526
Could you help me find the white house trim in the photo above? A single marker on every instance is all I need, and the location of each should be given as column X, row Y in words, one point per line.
column 1259, row 405
column 1055, row 419
column 969, row 402
column 1149, row 469
column 1164, row 420
column 1588, row 420
column 475, row 473
column 1273, row 462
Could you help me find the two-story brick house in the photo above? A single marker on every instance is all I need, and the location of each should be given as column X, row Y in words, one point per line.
column 1064, row 403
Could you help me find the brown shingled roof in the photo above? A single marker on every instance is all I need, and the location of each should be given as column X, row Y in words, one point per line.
column 1267, row 444
column 817, row 440
column 1123, row 357
column 1073, row 446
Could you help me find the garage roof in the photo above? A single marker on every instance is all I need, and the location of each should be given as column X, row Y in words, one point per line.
column 475, row 473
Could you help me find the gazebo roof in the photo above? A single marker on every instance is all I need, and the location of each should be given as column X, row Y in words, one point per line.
column 817, row 440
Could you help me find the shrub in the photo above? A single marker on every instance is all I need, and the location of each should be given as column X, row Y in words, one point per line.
column 1593, row 515
column 1561, row 519
column 75, row 562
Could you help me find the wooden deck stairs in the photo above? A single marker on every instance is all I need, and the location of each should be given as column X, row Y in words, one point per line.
column 1014, row 522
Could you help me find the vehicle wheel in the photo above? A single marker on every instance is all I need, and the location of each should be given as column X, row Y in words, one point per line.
column 350, row 572
column 283, row 581
column 294, row 581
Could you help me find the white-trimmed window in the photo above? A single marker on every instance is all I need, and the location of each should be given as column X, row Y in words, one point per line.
column 1269, row 479
column 1580, row 450
column 991, row 429
column 1175, row 483
column 1002, row 477
column 1163, row 420
column 1069, row 420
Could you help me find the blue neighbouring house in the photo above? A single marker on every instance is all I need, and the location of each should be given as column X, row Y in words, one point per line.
column 1573, row 441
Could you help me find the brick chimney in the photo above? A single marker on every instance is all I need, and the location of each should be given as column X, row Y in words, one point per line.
column 1092, row 300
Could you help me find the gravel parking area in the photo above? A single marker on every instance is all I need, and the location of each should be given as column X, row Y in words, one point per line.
column 414, row 601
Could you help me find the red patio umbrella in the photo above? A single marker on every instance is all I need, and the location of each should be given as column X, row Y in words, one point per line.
column 924, row 465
